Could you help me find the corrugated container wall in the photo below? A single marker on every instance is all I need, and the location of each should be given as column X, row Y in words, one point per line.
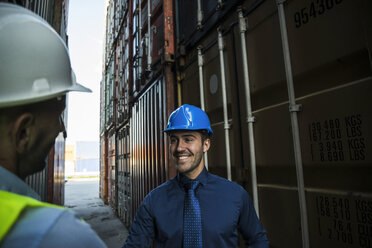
column 49, row 183
column 138, row 98
column 148, row 166
column 111, row 166
column 103, row 182
column 287, row 86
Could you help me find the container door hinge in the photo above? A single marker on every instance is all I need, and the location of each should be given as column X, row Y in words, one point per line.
column 295, row 108
column 251, row 119
column 227, row 126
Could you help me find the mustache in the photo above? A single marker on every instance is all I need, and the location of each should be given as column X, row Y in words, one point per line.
column 182, row 153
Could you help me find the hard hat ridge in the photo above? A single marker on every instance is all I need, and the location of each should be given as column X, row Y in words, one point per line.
column 188, row 117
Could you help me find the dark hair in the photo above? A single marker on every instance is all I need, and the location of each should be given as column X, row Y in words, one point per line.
column 205, row 135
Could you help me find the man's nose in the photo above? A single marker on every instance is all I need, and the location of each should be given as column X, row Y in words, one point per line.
column 180, row 146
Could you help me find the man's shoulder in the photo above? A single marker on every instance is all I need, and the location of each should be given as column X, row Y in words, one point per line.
column 53, row 226
column 167, row 185
column 222, row 182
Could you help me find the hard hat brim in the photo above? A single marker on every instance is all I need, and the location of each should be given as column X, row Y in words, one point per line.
column 81, row 88
column 76, row 86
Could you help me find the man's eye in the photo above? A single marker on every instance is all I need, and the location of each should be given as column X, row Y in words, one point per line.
column 188, row 140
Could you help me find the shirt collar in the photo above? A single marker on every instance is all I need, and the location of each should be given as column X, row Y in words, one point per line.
column 202, row 178
column 11, row 183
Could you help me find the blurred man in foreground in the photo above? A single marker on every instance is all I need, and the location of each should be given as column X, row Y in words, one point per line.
column 35, row 75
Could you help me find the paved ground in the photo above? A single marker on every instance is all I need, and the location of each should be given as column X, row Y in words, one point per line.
column 82, row 196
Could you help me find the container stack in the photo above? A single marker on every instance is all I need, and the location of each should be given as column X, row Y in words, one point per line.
column 135, row 105
column 286, row 85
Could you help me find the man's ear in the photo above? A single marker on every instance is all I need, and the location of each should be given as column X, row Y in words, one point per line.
column 21, row 131
column 206, row 145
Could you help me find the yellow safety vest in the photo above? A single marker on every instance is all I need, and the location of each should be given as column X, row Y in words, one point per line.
column 12, row 205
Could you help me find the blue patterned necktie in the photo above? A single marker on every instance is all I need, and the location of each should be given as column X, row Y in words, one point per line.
column 192, row 228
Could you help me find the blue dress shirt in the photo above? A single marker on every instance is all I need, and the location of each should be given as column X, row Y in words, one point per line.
column 225, row 209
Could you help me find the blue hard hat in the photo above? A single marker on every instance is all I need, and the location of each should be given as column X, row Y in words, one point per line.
column 188, row 117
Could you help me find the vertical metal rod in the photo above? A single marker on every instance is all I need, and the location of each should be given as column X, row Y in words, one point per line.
column 200, row 15
column 138, row 168
column 162, row 137
column 46, row 10
column 152, row 132
column 201, row 79
column 179, row 93
column 201, row 88
column 224, row 100
column 42, row 9
column 164, row 151
column 250, row 117
column 145, row 142
column 137, row 164
column 293, row 108
column 39, row 7
column 132, row 152
column 156, row 140
column 148, row 142
column 149, row 60
column 142, row 146
column 139, row 40
column 134, row 160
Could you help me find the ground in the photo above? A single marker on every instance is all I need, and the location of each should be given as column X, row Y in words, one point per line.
column 82, row 196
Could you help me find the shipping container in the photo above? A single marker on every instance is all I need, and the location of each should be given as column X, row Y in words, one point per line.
column 134, row 82
column 124, row 181
column 56, row 175
column 122, row 76
column 148, row 166
column 110, row 101
column 287, row 87
column 111, row 167
column 315, row 180
column 39, row 183
column 103, row 164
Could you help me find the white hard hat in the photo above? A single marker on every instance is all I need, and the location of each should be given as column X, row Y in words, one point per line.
column 34, row 60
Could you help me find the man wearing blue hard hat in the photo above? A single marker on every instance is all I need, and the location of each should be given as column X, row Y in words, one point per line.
column 195, row 209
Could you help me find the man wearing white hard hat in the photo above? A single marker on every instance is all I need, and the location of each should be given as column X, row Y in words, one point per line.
column 35, row 75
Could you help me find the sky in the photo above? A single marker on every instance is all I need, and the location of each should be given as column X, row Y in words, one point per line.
column 85, row 32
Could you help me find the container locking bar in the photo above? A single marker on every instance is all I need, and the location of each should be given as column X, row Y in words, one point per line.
column 294, row 108
column 149, row 59
column 200, row 15
column 201, row 89
column 250, row 118
column 221, row 46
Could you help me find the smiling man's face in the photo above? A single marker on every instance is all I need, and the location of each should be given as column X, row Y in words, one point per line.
column 187, row 149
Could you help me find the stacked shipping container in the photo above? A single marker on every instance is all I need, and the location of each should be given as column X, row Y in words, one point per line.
column 287, row 87
column 134, row 88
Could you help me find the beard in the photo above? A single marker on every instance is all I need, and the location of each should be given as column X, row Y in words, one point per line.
column 194, row 160
column 32, row 164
